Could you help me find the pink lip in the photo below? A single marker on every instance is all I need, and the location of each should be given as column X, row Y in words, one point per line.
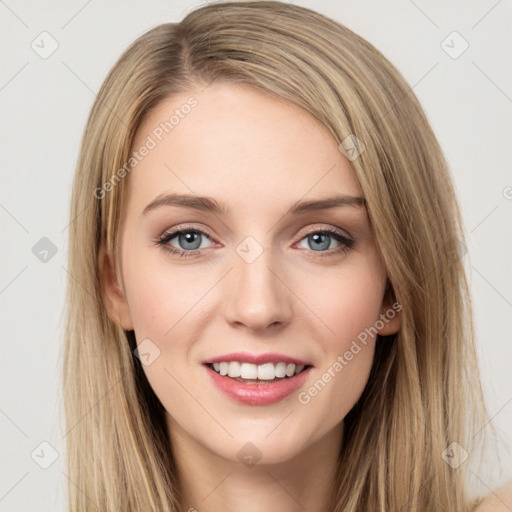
column 246, row 357
column 263, row 393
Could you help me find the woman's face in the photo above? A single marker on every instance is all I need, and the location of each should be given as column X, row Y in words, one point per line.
column 253, row 273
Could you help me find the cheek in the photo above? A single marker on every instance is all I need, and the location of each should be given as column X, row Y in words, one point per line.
column 162, row 297
column 346, row 302
column 348, row 305
column 165, row 304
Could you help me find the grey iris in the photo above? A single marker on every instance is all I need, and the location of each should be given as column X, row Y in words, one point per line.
column 322, row 245
column 193, row 238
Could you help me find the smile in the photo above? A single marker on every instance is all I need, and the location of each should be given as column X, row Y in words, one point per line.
column 267, row 371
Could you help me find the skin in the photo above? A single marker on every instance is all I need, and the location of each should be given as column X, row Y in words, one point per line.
column 258, row 155
column 499, row 500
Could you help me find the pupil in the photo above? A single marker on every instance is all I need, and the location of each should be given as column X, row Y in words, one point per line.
column 317, row 237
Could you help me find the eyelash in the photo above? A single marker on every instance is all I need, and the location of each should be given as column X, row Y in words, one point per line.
column 164, row 239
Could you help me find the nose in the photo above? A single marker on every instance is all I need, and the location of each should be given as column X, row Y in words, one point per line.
column 256, row 294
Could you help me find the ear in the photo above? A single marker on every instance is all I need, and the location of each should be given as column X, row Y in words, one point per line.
column 390, row 314
column 113, row 296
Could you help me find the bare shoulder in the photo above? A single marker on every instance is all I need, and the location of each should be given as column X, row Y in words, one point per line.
column 498, row 501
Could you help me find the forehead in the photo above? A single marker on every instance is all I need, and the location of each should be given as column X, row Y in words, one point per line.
column 239, row 144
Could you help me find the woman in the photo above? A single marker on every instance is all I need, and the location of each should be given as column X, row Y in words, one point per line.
column 267, row 303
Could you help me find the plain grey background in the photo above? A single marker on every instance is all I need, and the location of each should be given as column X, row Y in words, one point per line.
column 45, row 99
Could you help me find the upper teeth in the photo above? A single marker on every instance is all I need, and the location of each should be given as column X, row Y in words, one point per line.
column 267, row 371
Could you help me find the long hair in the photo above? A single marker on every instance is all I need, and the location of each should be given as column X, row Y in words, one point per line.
column 423, row 392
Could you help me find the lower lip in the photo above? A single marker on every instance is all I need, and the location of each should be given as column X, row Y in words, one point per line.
column 264, row 393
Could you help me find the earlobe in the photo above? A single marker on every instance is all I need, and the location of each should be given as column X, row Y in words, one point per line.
column 391, row 323
column 113, row 296
column 390, row 315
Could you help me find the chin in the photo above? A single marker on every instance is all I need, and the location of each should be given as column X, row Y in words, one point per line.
column 257, row 449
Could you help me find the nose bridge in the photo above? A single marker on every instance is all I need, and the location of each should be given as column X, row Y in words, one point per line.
column 256, row 297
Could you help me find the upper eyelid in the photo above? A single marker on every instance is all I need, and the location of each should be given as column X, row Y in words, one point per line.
column 336, row 230
column 177, row 231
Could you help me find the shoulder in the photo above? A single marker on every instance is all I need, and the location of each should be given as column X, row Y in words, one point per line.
column 498, row 501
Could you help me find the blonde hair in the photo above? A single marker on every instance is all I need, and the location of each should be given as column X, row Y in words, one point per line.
column 423, row 392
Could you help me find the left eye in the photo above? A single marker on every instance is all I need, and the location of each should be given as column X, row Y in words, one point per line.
column 187, row 240
column 321, row 240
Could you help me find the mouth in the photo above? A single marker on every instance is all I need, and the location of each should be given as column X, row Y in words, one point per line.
column 249, row 373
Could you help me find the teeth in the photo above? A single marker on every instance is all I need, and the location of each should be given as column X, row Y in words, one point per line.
column 234, row 369
column 281, row 370
column 267, row 371
column 290, row 370
column 247, row 370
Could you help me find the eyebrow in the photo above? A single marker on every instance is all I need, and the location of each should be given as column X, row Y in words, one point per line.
column 209, row 204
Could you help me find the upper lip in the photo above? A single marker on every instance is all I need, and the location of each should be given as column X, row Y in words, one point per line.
column 247, row 357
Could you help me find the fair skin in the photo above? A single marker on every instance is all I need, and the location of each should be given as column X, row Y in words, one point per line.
column 499, row 500
column 257, row 155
